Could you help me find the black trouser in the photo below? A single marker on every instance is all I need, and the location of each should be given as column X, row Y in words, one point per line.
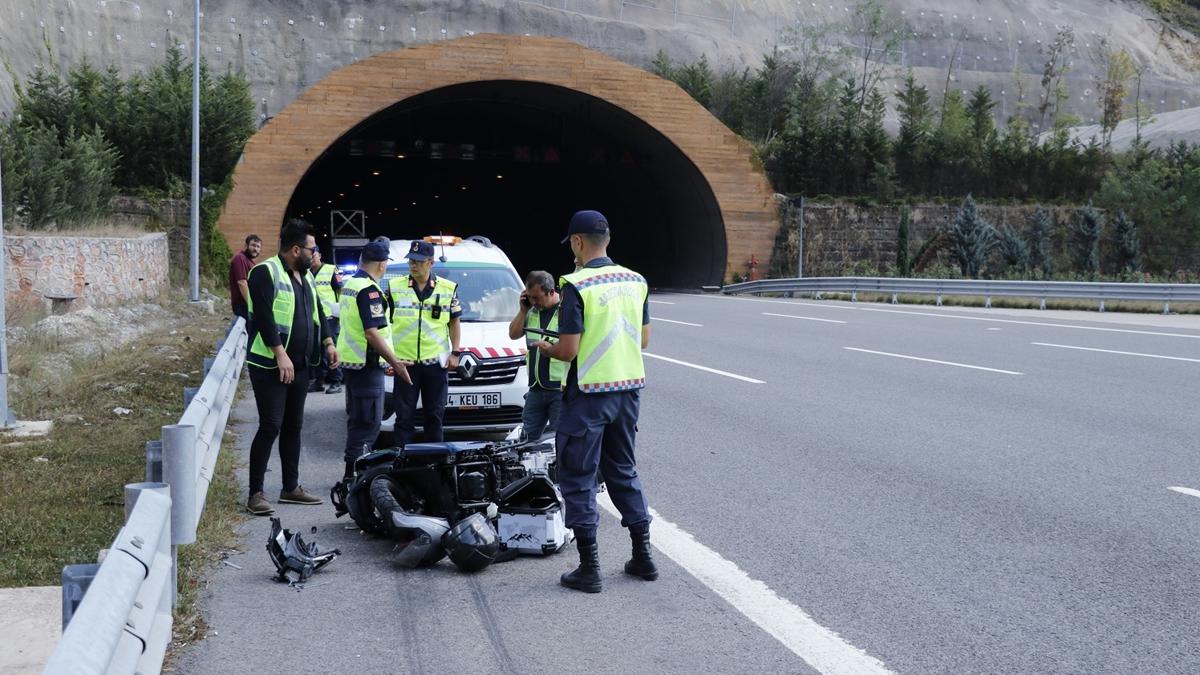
column 431, row 382
column 364, row 391
column 327, row 375
column 280, row 415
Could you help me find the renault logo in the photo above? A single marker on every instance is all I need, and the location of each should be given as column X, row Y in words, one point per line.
column 468, row 366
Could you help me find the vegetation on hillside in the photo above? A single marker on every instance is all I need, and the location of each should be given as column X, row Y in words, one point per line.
column 77, row 137
column 815, row 112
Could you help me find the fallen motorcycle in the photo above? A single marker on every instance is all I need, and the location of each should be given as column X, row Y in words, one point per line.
column 476, row 502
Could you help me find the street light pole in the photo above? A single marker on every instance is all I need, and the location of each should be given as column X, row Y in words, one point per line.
column 7, row 419
column 195, row 252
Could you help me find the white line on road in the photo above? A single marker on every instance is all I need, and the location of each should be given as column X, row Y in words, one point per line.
column 682, row 323
column 1180, row 490
column 820, row 647
column 660, row 302
column 1113, row 351
column 944, row 363
column 706, row 369
column 959, row 316
column 806, row 318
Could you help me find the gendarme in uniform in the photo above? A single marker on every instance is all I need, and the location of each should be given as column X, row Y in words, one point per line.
column 424, row 326
column 363, row 306
column 605, row 304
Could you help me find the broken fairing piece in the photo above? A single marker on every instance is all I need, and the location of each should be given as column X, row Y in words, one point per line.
column 295, row 560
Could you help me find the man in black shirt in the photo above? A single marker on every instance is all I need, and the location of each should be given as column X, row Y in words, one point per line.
column 287, row 333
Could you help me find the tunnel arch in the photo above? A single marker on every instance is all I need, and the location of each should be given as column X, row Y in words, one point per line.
column 564, row 126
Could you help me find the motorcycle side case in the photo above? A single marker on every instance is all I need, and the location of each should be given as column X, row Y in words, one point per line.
column 531, row 517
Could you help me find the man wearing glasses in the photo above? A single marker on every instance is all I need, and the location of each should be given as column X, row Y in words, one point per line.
column 287, row 332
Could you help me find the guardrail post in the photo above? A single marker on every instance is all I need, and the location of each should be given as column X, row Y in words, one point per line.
column 189, row 393
column 154, row 470
column 1166, row 308
column 179, row 471
column 75, row 582
column 939, row 299
column 853, row 296
column 208, row 364
column 893, row 298
column 987, row 303
column 1102, row 305
column 1043, row 304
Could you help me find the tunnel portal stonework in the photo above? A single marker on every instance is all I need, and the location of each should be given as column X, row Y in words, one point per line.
column 278, row 156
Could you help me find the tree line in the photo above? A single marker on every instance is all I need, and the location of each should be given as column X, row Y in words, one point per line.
column 815, row 112
column 77, row 137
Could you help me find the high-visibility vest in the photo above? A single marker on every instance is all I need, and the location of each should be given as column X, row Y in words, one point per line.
column 323, row 282
column 352, row 341
column 283, row 309
column 417, row 335
column 535, row 359
column 610, row 348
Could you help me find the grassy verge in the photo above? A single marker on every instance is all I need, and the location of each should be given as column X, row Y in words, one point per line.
column 61, row 495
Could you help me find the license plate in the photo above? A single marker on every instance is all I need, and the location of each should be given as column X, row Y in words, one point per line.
column 487, row 399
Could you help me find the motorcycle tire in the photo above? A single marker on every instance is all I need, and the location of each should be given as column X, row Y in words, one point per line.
column 358, row 501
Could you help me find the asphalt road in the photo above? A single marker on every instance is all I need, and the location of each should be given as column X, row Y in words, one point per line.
column 1001, row 505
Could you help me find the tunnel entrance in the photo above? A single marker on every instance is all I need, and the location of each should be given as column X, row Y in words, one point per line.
column 512, row 160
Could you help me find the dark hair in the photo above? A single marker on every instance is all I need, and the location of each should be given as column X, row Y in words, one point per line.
column 252, row 237
column 540, row 279
column 295, row 232
column 596, row 239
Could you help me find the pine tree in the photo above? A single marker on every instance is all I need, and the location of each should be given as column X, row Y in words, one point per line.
column 1041, row 232
column 916, row 124
column 979, row 111
column 1087, row 226
column 972, row 239
column 903, row 263
column 1013, row 250
column 1127, row 244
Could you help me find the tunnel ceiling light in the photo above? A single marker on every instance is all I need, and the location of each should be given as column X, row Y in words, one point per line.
column 414, row 203
column 400, row 156
column 341, row 194
column 437, row 196
column 374, row 173
column 356, row 185
column 499, row 176
column 328, row 201
column 464, row 187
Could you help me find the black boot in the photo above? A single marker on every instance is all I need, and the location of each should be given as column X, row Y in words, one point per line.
column 586, row 577
column 642, row 565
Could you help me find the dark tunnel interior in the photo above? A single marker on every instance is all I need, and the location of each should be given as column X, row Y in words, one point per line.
column 512, row 161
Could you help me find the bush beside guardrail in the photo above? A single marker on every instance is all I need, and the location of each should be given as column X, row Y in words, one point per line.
column 1043, row 290
column 117, row 614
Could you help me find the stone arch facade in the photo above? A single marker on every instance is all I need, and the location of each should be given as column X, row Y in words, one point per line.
column 278, row 156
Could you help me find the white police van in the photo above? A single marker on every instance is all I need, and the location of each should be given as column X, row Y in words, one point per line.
column 487, row 390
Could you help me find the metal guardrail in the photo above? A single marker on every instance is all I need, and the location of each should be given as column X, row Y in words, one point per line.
column 1043, row 290
column 117, row 614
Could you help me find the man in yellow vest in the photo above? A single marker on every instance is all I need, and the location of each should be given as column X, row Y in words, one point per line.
column 539, row 311
column 366, row 350
column 604, row 324
column 286, row 333
column 425, row 332
column 328, row 283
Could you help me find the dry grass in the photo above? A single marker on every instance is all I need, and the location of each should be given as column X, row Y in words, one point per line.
column 62, row 495
column 98, row 228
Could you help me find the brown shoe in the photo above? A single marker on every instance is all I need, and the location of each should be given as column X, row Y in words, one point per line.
column 300, row 496
column 258, row 505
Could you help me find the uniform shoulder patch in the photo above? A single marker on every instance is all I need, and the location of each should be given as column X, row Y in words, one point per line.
column 374, row 295
column 377, row 309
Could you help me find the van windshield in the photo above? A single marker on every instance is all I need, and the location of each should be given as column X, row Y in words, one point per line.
column 486, row 292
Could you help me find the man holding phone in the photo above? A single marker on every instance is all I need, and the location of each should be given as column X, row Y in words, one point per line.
column 539, row 312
